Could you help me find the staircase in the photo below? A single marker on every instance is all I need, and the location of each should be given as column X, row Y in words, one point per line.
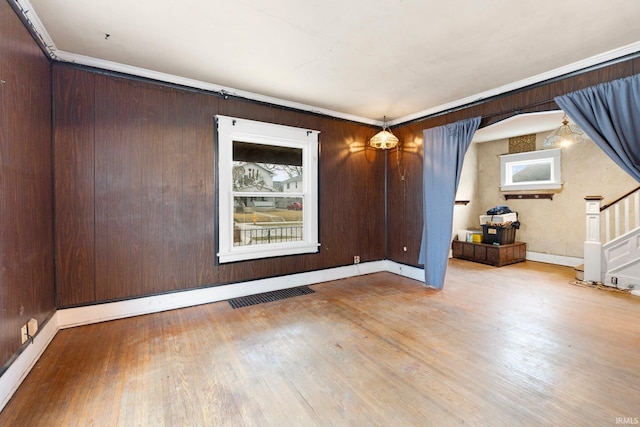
column 621, row 258
column 612, row 246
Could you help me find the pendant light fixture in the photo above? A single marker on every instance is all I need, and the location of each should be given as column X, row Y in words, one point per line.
column 384, row 139
column 565, row 135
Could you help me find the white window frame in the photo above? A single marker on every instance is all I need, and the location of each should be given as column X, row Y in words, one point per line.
column 508, row 162
column 232, row 129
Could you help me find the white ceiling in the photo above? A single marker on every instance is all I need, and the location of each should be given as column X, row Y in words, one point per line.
column 521, row 124
column 357, row 59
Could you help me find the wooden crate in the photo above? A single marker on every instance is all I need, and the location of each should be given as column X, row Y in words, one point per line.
column 490, row 254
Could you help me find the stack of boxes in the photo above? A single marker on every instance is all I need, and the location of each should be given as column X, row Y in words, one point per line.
column 498, row 229
column 474, row 236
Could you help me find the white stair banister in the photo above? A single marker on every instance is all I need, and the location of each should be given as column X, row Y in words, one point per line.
column 626, row 216
column 592, row 244
column 636, row 210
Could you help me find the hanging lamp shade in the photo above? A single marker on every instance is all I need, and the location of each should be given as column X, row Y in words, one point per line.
column 384, row 139
column 565, row 135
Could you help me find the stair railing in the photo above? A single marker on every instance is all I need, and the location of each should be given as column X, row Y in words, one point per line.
column 605, row 223
column 624, row 217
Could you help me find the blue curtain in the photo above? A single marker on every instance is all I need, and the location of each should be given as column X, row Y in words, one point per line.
column 609, row 114
column 444, row 150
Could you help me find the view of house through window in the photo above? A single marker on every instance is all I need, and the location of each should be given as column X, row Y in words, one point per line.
column 267, row 190
column 268, row 202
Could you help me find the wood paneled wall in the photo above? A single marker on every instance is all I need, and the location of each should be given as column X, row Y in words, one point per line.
column 134, row 183
column 26, row 198
column 134, row 186
column 405, row 219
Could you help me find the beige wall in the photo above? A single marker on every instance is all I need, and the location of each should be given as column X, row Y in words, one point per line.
column 463, row 216
column 554, row 227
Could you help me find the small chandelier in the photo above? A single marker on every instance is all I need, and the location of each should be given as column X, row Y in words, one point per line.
column 565, row 135
column 384, row 139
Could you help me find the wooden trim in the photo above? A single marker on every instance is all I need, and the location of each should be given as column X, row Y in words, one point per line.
column 624, row 196
column 548, row 196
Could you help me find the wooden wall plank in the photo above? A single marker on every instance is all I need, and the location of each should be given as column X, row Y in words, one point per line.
column 74, row 187
column 404, row 197
column 498, row 109
column 27, row 287
column 7, row 345
column 192, row 191
column 151, row 176
column 208, row 273
column 135, row 122
column 172, row 169
column 113, row 196
column 351, row 193
column 533, row 100
column 635, row 66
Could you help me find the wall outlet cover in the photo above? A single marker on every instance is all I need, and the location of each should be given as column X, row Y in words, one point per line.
column 24, row 334
column 32, row 326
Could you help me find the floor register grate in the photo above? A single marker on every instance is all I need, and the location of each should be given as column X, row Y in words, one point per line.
column 270, row 296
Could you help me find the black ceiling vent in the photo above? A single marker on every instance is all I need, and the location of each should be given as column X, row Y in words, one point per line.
column 269, row 296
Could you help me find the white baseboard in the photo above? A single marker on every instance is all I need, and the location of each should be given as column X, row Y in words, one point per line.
column 554, row 259
column 405, row 270
column 70, row 317
column 21, row 366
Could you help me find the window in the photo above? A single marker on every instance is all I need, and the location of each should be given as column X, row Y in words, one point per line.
column 260, row 214
column 532, row 170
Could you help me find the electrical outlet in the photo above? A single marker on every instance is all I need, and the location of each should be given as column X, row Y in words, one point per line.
column 356, row 259
column 25, row 334
column 32, row 327
column 614, row 280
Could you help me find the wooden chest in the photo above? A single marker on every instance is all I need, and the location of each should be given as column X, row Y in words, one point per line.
column 490, row 254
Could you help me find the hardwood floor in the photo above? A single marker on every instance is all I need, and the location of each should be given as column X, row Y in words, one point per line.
column 516, row 345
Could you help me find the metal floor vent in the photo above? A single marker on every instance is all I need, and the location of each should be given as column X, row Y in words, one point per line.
column 269, row 296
